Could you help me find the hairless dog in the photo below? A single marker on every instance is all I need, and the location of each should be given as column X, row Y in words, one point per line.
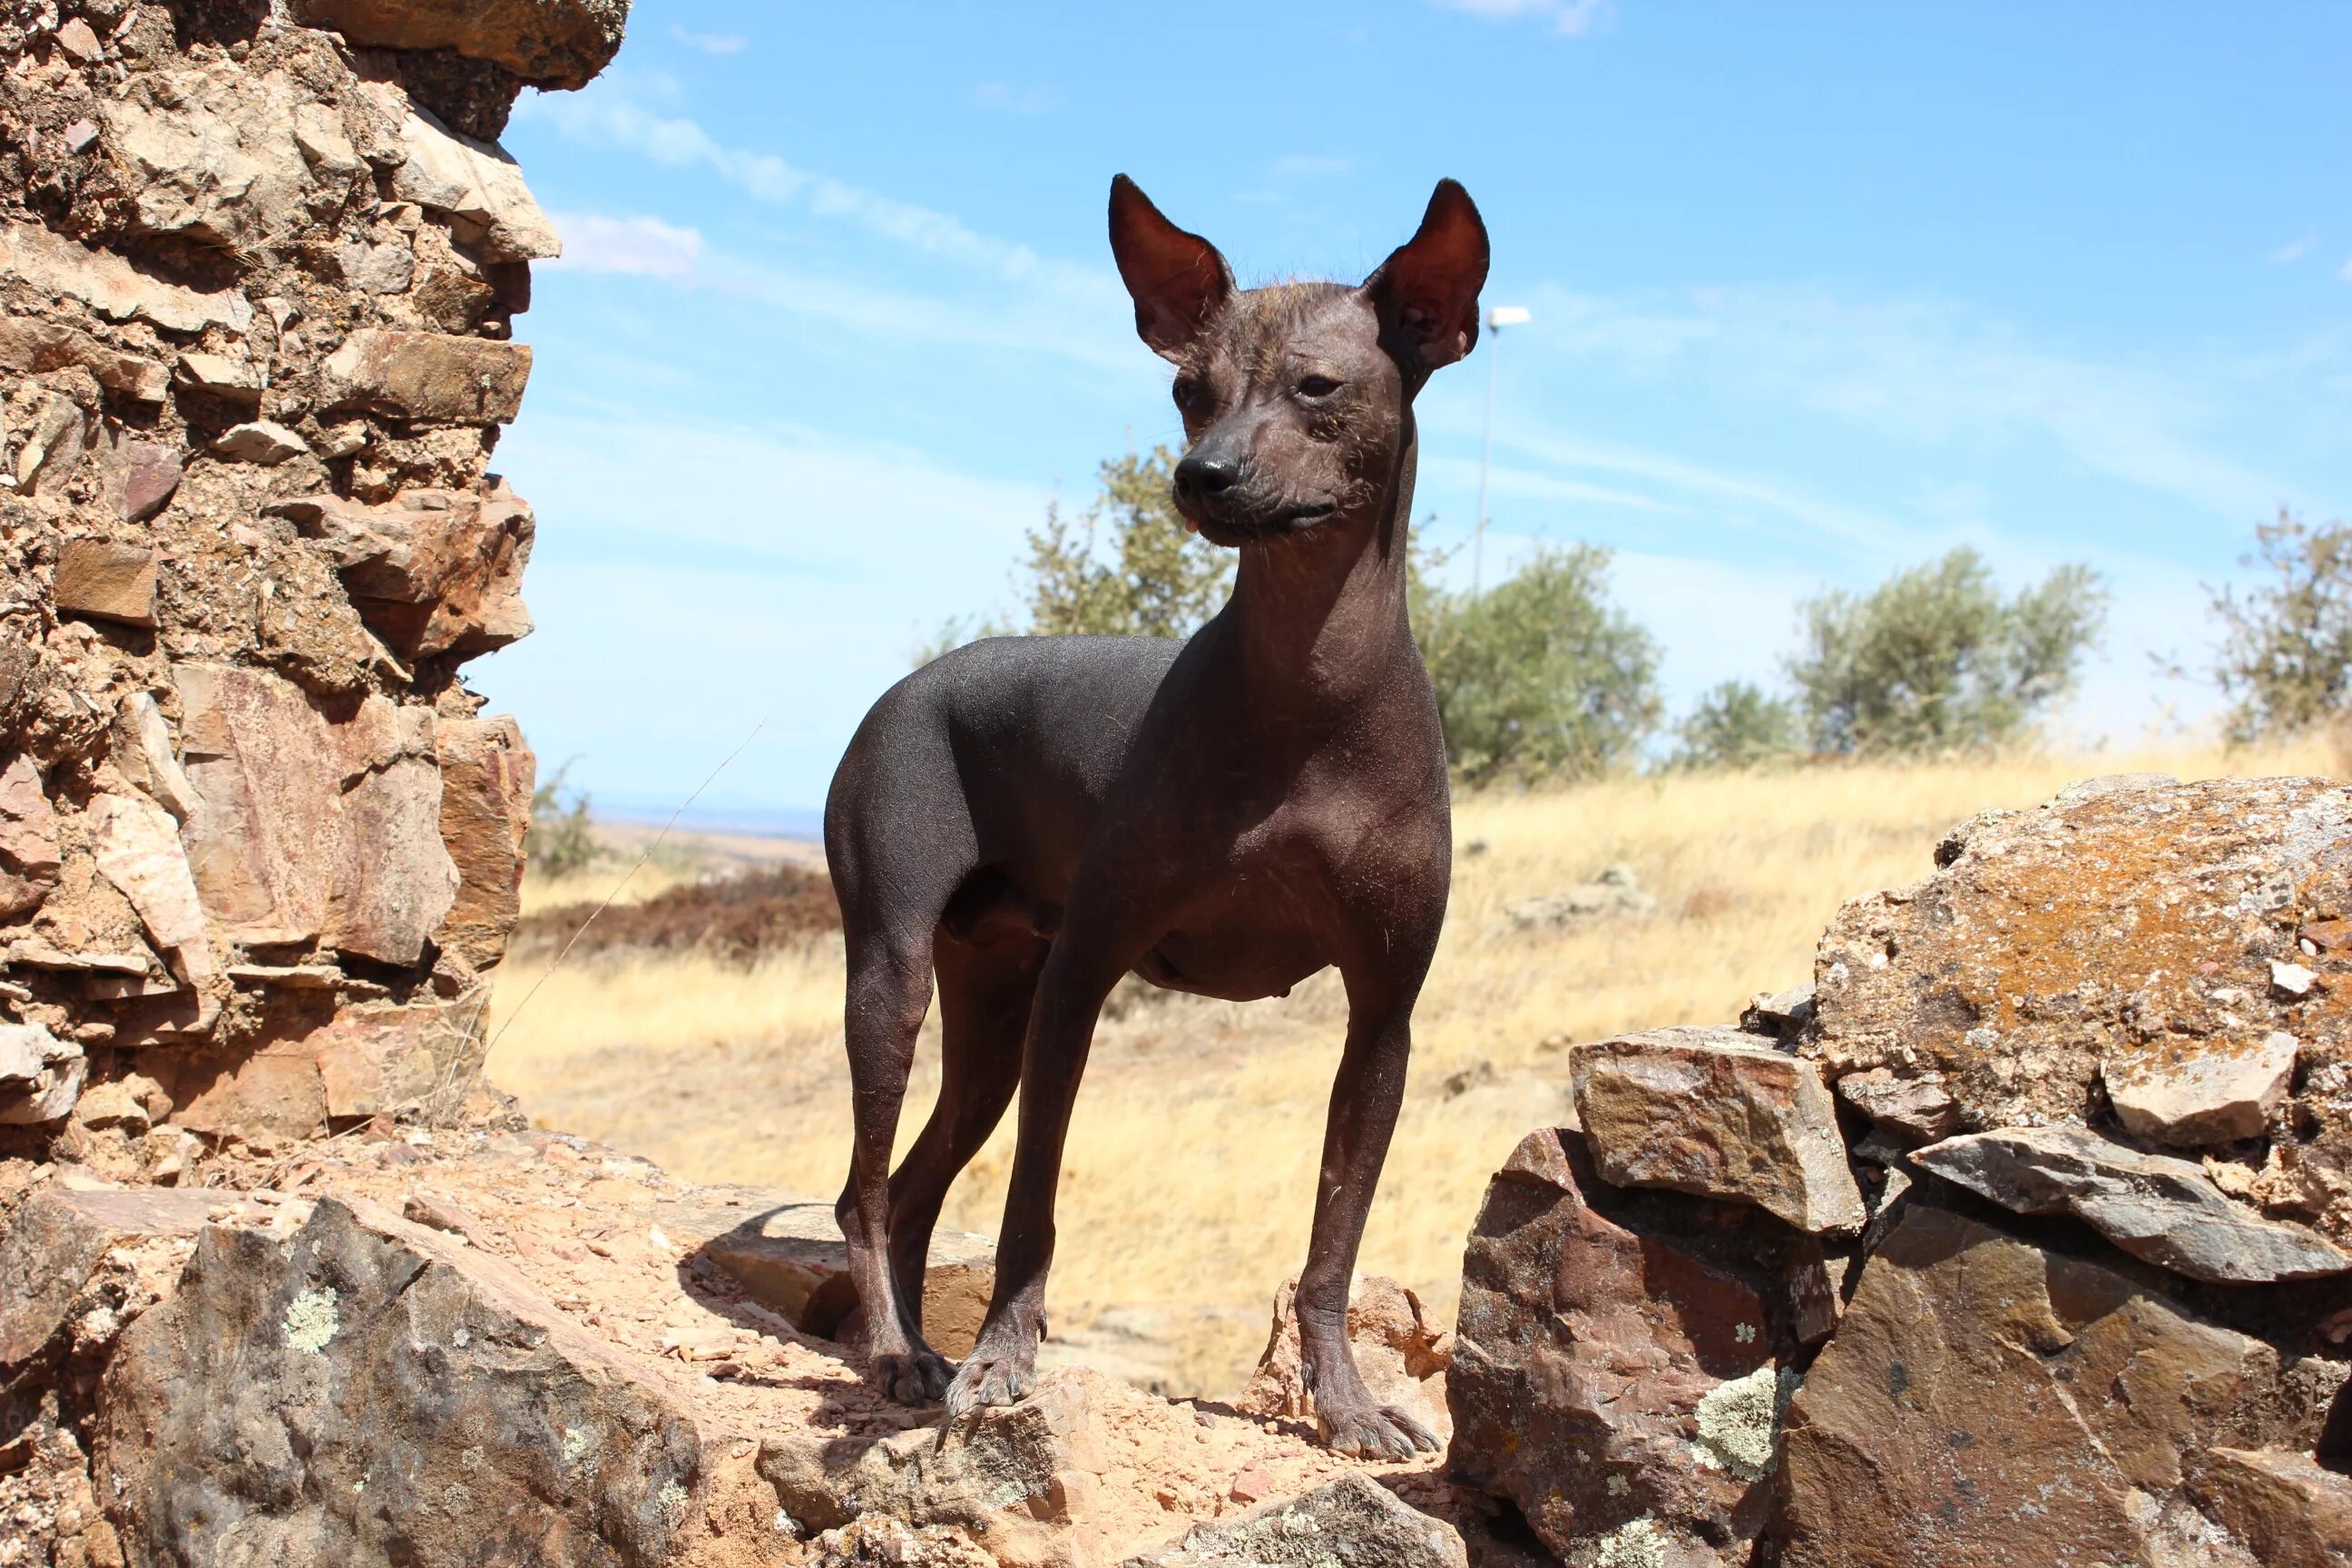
column 1027, row 819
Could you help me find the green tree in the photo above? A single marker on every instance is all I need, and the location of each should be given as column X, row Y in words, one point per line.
column 1124, row 568
column 2285, row 661
column 1540, row 677
column 562, row 841
column 1935, row 661
column 1739, row 724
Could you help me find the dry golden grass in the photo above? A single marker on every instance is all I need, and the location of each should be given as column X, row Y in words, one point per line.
column 1191, row 1161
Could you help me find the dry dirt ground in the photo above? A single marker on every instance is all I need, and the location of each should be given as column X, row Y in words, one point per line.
column 1189, row 1176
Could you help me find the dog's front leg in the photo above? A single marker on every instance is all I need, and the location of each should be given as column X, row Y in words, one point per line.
column 1365, row 1097
column 1086, row 960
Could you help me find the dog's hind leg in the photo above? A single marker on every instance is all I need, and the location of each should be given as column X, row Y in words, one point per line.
column 889, row 990
column 985, row 988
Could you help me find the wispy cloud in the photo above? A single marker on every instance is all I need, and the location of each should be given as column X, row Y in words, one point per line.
column 2294, row 249
column 645, row 246
column 2345, row 273
column 710, row 43
column 610, row 119
column 1927, row 372
column 1570, row 18
column 1005, row 98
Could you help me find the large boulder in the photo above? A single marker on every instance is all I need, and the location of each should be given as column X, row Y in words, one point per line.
column 2138, row 952
column 1619, row 1359
column 367, row 1390
column 1986, row 1401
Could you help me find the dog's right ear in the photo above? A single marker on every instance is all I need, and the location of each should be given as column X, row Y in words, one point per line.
column 1178, row 279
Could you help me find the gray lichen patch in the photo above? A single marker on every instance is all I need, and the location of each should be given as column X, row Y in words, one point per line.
column 1739, row 1421
column 1637, row 1544
column 310, row 1321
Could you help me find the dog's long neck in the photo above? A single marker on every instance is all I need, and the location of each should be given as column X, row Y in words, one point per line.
column 1317, row 622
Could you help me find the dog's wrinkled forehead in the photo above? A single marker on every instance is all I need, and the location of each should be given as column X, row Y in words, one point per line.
column 1259, row 327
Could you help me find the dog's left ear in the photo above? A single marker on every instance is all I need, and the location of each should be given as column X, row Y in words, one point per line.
column 1178, row 280
column 1427, row 292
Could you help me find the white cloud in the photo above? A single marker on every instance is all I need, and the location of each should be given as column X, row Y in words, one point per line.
column 1005, row 99
column 606, row 118
column 710, row 43
column 2346, row 272
column 645, row 246
column 2294, row 249
column 1570, row 18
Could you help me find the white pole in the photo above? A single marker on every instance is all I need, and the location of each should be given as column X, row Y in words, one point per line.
column 1498, row 318
column 1485, row 460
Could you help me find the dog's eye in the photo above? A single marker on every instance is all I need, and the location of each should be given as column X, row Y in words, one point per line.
column 1317, row 387
column 1190, row 396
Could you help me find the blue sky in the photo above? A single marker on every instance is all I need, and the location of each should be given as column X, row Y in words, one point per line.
column 1817, row 293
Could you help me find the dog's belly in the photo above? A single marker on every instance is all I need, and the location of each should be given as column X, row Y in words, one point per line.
column 1240, row 955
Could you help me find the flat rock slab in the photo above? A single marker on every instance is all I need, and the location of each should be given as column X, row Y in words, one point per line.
column 2210, row 1091
column 787, row 1254
column 1985, row 1401
column 1351, row 1522
column 548, row 43
column 2161, row 1210
column 366, row 1390
column 1712, row 1112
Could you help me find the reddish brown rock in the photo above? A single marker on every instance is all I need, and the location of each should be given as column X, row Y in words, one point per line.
column 1712, row 1112
column 1985, row 1401
column 30, row 347
column 1399, row 1349
column 393, row 880
column 138, row 849
column 548, row 43
column 395, row 1061
column 487, row 778
column 433, row 377
column 2127, row 927
column 55, row 1255
column 150, row 474
column 437, row 572
column 1614, row 1359
column 240, row 1092
column 28, row 840
column 2289, row 1512
column 2202, row 1092
column 113, row 582
column 269, row 801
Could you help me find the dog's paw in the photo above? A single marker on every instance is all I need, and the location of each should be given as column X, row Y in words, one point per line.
column 916, row 1377
column 1372, row 1431
column 985, row 1379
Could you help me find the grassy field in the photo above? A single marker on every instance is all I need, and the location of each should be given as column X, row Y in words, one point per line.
column 1192, row 1158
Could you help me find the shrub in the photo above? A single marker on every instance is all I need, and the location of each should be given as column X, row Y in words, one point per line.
column 1540, row 676
column 1739, row 724
column 2285, row 661
column 1933, row 660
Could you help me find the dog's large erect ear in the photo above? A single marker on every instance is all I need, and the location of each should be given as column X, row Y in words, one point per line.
column 1427, row 291
column 1178, row 279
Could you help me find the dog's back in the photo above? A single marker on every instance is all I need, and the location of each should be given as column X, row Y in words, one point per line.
column 997, row 755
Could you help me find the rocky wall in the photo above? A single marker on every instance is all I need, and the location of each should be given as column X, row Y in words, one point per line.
column 259, row 846
column 2019, row 1236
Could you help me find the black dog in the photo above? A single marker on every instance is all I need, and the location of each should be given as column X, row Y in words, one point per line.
column 1029, row 818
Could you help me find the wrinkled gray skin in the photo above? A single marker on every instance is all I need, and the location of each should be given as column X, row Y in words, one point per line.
column 1029, row 818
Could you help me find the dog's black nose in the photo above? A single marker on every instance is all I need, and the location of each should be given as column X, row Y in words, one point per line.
column 1204, row 476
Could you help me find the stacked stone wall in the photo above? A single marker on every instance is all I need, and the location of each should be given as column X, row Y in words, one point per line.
column 259, row 846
